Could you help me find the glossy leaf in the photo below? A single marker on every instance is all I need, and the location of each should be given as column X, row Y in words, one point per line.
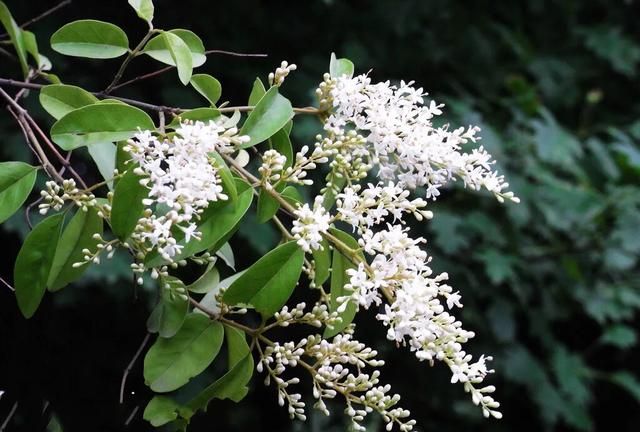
column 257, row 92
column 269, row 282
column 161, row 410
column 77, row 235
column 292, row 195
column 99, row 123
column 216, row 223
column 228, row 181
column 270, row 114
column 104, row 156
column 267, row 205
column 339, row 67
column 231, row 385
column 205, row 283
column 339, row 278
column 60, row 99
column 16, row 182
column 91, row 39
column 127, row 204
column 170, row 312
column 171, row 363
column 282, row 144
column 180, row 55
column 144, row 9
column 322, row 260
column 157, row 48
column 34, row 262
column 15, row 35
column 207, row 86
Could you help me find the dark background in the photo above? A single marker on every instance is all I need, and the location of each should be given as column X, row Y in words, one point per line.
column 551, row 286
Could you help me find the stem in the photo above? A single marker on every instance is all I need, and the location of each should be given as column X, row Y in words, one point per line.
column 130, row 57
column 130, row 366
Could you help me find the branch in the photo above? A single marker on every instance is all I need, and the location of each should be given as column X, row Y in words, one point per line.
column 168, row 68
column 41, row 16
column 130, row 366
column 128, row 59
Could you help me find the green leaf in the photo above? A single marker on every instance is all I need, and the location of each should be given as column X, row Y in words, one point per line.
column 217, row 222
column 180, row 55
column 339, row 67
column 228, row 182
column 257, row 92
column 226, row 254
column 144, row 9
column 16, row 181
column 31, row 45
column 210, row 301
column 207, row 86
column 322, row 260
column 34, row 262
column 99, row 123
column 339, row 278
column 197, row 114
column 205, row 283
column 157, row 48
column 170, row 312
column 292, row 195
column 282, row 144
column 127, row 204
column 60, row 99
column 267, row 205
column 16, row 36
column 620, row 336
column 161, row 410
column 627, row 381
column 232, row 385
column 269, row 282
column 77, row 235
column 171, row 363
column 268, row 117
column 91, row 39
column 104, row 155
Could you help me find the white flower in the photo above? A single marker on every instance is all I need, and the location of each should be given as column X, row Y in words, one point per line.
column 310, row 224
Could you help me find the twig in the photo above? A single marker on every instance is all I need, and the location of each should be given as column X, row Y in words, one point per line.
column 128, row 59
column 130, row 366
column 8, row 419
column 42, row 15
column 133, row 413
column 168, row 68
column 7, row 284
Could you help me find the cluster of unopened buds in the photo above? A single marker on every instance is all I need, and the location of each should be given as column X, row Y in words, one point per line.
column 277, row 78
column 55, row 196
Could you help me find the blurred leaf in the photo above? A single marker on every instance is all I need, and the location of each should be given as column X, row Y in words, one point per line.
column 608, row 43
column 339, row 67
column 620, row 336
column 16, row 36
column 161, row 410
column 167, row 317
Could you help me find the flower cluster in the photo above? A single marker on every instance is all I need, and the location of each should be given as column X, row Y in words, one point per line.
column 402, row 139
column 55, row 196
column 277, row 78
column 310, row 224
column 181, row 178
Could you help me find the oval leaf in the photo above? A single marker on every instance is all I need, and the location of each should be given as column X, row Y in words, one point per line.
column 171, row 363
column 339, row 67
column 207, row 282
column 77, row 235
column 207, row 86
column 157, row 48
column 104, row 155
column 257, row 92
column 16, row 181
column 169, row 315
column 161, row 410
column 91, row 39
column 180, row 55
column 268, row 117
column 144, row 9
column 34, row 262
column 269, row 282
column 99, row 123
column 60, row 99
column 127, row 204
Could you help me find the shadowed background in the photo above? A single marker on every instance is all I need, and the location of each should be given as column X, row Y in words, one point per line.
column 551, row 286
